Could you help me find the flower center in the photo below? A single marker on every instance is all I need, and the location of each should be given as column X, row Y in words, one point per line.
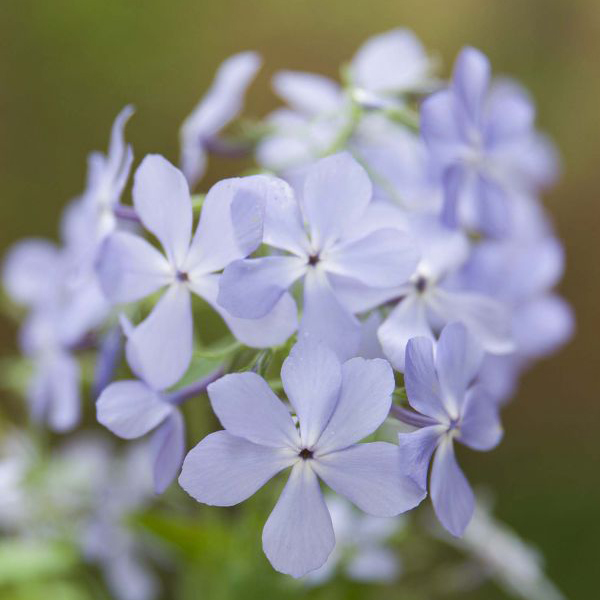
column 420, row 284
column 305, row 454
column 181, row 276
column 313, row 259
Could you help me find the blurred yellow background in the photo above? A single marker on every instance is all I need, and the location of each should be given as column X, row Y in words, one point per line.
column 68, row 66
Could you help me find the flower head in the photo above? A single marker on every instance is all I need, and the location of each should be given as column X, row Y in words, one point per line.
column 482, row 137
column 337, row 405
column 328, row 240
column 451, row 408
column 130, row 268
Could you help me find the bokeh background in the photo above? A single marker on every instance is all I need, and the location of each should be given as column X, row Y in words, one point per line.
column 68, row 66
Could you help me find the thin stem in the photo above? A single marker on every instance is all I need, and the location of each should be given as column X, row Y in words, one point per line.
column 127, row 213
column 194, row 389
column 409, row 417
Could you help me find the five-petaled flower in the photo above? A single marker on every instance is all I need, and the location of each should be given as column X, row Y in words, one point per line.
column 331, row 240
column 337, row 405
column 451, row 407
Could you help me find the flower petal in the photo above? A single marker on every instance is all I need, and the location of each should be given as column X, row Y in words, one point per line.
column 370, row 476
column 219, row 106
column 168, row 448
column 326, row 319
column 231, row 223
column 363, row 405
column 223, row 470
column 131, row 409
column 416, row 449
column 480, row 426
column 421, row 379
column 487, row 320
column 337, row 191
column 312, row 377
column 470, row 81
column 392, row 62
column 250, row 288
column 248, row 408
column 159, row 349
column 283, row 227
column 298, row 535
column 383, row 258
column 407, row 320
column 271, row 330
column 458, row 359
column 162, row 200
column 451, row 494
column 129, row 268
column 308, row 93
column 30, row 271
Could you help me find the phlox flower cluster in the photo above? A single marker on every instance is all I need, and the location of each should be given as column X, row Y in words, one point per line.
column 389, row 267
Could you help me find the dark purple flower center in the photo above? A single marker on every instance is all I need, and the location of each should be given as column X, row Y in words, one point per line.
column 313, row 259
column 305, row 454
column 181, row 276
column 421, row 284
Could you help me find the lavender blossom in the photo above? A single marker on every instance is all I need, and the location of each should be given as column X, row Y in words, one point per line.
column 482, row 136
column 220, row 105
column 130, row 268
column 339, row 244
column 449, row 407
column 336, row 406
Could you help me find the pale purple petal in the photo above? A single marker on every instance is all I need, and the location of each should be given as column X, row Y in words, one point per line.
column 129, row 268
column 359, row 298
column 248, row 408
column 55, row 392
column 283, row 226
column 454, row 181
column 159, row 349
column 298, row 535
column 326, row 319
column 492, row 208
column 168, row 449
column 470, row 81
column 439, row 126
column 421, row 379
column 363, row 405
column 480, row 427
column 370, row 476
column 488, row 320
column 509, row 113
column 337, row 191
column 223, row 470
column 458, row 359
column 30, row 271
column 416, row 449
column 120, row 155
column 231, row 223
column 393, row 62
column 383, row 258
column 250, row 288
column 271, row 330
column 451, row 494
column 312, row 377
column 308, row 93
column 407, row 320
column 542, row 325
column 162, row 200
column 109, row 357
column 218, row 107
column 131, row 409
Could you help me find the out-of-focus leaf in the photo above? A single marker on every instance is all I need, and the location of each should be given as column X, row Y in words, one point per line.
column 22, row 561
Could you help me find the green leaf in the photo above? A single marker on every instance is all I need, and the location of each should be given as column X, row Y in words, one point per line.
column 22, row 561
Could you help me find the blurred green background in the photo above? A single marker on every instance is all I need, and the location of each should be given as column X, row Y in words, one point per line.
column 68, row 66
